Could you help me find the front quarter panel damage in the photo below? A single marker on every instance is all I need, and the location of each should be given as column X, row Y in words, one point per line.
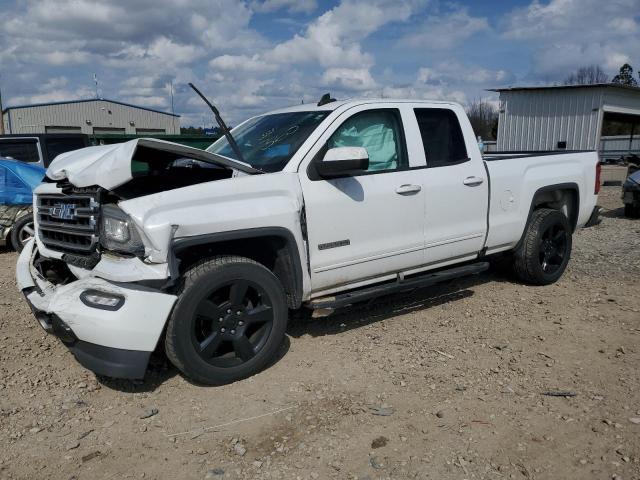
column 234, row 204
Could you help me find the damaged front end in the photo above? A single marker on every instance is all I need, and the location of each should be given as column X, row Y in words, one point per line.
column 78, row 216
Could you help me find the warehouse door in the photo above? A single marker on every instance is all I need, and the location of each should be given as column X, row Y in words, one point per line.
column 62, row 129
column 151, row 131
column 108, row 131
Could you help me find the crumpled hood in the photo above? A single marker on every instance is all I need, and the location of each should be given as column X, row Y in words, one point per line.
column 109, row 166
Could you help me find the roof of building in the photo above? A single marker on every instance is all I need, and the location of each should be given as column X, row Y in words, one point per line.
column 560, row 87
column 85, row 101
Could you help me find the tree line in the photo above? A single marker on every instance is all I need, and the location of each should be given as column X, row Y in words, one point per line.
column 592, row 74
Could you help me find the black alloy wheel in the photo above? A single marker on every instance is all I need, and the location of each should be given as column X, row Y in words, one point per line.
column 553, row 248
column 232, row 323
column 545, row 249
column 228, row 322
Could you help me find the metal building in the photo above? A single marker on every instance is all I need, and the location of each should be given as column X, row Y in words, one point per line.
column 564, row 117
column 90, row 117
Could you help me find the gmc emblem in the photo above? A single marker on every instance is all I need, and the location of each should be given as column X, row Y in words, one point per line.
column 63, row 211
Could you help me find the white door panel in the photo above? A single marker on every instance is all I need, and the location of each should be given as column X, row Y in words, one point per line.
column 360, row 227
column 455, row 184
column 371, row 224
column 456, row 210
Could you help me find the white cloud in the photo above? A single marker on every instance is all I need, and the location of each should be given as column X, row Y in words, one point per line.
column 242, row 63
column 59, row 57
column 443, row 32
column 358, row 79
column 419, row 91
column 333, row 39
column 166, row 50
column 455, row 73
column 55, row 83
column 412, row 48
column 623, row 25
column 304, row 6
column 56, row 95
column 148, row 101
column 567, row 34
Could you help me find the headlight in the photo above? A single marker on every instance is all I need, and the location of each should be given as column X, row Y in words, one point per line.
column 117, row 232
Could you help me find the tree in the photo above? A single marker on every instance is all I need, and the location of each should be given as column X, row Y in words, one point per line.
column 625, row 76
column 483, row 116
column 191, row 131
column 587, row 75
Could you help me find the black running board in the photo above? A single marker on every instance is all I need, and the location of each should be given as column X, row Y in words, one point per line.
column 332, row 302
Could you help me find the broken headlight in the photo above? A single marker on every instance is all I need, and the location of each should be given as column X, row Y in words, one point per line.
column 118, row 233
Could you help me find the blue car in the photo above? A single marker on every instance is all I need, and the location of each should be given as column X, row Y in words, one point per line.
column 17, row 181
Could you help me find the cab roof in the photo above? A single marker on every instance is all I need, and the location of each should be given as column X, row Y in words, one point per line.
column 352, row 102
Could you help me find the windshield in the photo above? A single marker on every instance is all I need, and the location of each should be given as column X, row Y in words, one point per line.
column 268, row 142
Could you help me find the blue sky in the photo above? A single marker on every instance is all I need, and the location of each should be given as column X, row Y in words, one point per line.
column 256, row 55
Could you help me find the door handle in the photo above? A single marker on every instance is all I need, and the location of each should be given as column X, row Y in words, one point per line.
column 408, row 189
column 473, row 181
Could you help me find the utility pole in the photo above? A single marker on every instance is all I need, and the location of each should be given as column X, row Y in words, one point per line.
column 1, row 115
column 171, row 90
column 95, row 79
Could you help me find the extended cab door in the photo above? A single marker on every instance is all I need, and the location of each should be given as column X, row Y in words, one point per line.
column 456, row 187
column 370, row 224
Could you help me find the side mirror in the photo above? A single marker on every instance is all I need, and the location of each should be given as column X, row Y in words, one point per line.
column 343, row 161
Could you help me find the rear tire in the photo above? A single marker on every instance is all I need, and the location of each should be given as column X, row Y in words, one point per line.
column 544, row 252
column 228, row 322
column 22, row 231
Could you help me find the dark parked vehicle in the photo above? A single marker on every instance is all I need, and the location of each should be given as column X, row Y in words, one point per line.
column 631, row 195
column 40, row 149
column 17, row 181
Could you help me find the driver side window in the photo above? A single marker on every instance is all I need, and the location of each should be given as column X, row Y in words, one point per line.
column 380, row 133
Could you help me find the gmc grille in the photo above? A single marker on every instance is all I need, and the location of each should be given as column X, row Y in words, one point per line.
column 69, row 222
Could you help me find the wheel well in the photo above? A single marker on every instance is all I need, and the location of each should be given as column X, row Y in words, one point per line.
column 277, row 252
column 564, row 199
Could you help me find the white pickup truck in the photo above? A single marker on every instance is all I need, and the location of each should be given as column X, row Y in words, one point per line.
column 148, row 243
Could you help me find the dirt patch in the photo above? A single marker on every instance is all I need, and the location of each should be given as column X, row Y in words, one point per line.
column 459, row 372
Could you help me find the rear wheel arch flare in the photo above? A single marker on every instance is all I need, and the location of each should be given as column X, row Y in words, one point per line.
column 562, row 196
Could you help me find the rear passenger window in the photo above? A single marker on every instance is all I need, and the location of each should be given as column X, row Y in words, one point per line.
column 441, row 136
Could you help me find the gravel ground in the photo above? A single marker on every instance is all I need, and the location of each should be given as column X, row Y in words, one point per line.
column 446, row 383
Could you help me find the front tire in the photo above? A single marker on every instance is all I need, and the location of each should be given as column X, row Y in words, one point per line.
column 544, row 252
column 229, row 321
column 22, row 231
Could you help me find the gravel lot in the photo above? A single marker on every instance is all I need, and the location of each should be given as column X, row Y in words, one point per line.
column 446, row 383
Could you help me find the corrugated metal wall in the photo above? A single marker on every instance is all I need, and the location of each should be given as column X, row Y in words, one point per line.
column 539, row 119
column 620, row 143
column 87, row 116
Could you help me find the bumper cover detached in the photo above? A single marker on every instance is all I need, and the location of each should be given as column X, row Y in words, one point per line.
column 111, row 342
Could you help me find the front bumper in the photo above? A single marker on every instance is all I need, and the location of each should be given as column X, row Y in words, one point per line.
column 114, row 343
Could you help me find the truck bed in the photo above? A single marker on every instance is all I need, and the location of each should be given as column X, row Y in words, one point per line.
column 492, row 156
column 516, row 183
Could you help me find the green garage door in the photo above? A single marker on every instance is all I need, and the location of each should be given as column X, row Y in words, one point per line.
column 62, row 129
